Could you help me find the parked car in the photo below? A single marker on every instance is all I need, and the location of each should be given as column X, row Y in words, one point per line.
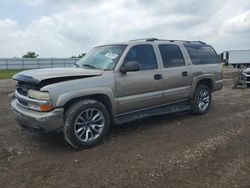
column 117, row 83
column 246, row 74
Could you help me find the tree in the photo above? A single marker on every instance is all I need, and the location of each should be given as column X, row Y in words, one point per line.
column 30, row 55
column 79, row 56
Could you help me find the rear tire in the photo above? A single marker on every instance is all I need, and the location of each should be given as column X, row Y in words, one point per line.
column 86, row 123
column 248, row 85
column 202, row 100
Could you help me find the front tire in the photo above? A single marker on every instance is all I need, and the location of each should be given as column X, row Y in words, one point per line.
column 86, row 123
column 202, row 100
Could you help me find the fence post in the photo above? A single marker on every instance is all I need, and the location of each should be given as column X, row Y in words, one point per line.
column 7, row 64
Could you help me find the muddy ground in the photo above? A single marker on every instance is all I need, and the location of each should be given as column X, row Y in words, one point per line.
column 177, row 150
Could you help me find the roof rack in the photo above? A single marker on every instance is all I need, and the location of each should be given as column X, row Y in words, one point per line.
column 145, row 39
column 155, row 39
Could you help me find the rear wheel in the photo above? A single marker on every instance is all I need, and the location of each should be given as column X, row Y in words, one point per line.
column 86, row 123
column 202, row 100
column 248, row 85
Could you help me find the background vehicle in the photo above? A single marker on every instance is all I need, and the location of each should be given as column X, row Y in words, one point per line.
column 237, row 58
column 118, row 83
column 246, row 75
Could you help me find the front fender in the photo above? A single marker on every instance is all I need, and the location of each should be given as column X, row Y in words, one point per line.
column 66, row 97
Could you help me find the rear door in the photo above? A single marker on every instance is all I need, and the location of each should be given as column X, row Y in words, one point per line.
column 143, row 88
column 176, row 74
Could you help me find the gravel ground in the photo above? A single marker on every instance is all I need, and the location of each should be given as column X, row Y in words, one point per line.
column 176, row 150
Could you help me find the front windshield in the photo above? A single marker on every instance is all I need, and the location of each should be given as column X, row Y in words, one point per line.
column 103, row 57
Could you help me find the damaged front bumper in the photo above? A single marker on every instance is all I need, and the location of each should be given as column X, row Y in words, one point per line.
column 47, row 121
column 247, row 77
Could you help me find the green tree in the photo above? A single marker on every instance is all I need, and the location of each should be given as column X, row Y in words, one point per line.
column 79, row 56
column 30, row 55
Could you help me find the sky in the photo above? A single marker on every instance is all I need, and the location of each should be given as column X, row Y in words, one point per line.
column 63, row 28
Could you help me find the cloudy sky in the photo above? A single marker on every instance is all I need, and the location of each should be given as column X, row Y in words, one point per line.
column 62, row 28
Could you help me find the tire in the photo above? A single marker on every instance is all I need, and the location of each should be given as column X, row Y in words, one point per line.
column 248, row 85
column 202, row 100
column 86, row 123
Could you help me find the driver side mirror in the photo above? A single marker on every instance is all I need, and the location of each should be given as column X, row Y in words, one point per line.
column 130, row 66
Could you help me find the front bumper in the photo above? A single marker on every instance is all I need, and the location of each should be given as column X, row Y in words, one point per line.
column 248, row 79
column 218, row 85
column 47, row 121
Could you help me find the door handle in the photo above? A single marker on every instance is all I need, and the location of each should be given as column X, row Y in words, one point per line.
column 157, row 76
column 185, row 73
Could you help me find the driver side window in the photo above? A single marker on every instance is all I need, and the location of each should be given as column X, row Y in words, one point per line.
column 144, row 55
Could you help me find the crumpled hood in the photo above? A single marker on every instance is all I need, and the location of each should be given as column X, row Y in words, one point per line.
column 37, row 75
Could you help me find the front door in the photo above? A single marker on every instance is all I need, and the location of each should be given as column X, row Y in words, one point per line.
column 140, row 89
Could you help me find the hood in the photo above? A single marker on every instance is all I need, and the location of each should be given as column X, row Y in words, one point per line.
column 36, row 76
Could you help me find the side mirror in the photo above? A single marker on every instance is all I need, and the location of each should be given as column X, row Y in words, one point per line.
column 130, row 66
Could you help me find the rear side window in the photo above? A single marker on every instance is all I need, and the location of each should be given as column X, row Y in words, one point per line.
column 202, row 54
column 171, row 55
column 144, row 54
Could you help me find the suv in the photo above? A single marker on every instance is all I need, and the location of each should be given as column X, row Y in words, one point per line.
column 117, row 83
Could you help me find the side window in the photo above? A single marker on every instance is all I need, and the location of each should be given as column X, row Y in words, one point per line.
column 171, row 55
column 144, row 54
column 202, row 54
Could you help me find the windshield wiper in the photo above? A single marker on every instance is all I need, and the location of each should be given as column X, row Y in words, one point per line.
column 90, row 66
column 76, row 65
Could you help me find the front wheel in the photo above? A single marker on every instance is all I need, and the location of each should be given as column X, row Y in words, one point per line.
column 86, row 123
column 202, row 100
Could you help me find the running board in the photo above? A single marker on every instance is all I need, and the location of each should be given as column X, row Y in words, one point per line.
column 166, row 109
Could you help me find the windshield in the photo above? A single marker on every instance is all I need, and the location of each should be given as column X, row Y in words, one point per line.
column 103, row 57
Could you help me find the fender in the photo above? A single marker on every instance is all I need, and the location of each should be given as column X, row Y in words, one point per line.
column 63, row 99
column 197, row 79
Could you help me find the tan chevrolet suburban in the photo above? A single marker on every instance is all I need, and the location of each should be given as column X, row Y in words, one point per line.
column 117, row 83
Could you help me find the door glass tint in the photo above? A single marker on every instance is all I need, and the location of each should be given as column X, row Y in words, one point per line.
column 171, row 55
column 202, row 54
column 144, row 54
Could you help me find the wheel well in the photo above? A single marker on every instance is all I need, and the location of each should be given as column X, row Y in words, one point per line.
column 104, row 99
column 207, row 82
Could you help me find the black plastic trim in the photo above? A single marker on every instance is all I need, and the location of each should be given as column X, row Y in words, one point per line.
column 166, row 109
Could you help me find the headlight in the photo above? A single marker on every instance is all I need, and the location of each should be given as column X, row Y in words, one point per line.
column 44, row 96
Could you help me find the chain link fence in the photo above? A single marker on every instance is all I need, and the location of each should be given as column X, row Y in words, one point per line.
column 35, row 63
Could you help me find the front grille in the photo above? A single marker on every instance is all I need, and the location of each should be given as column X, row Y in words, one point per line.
column 23, row 87
column 22, row 91
column 22, row 102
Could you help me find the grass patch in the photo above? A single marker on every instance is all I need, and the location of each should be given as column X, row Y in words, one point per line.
column 7, row 74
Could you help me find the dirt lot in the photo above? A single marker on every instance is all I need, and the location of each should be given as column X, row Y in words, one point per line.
column 177, row 150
